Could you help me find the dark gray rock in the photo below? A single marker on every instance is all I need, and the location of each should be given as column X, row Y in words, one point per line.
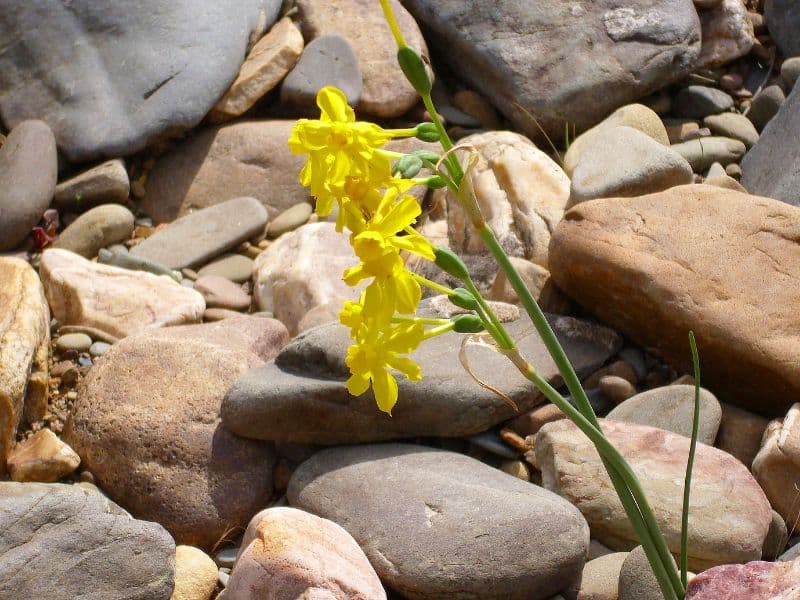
column 698, row 101
column 783, row 22
column 301, row 396
column 63, row 542
column 437, row 524
column 772, row 167
column 109, row 78
column 28, row 174
column 562, row 62
column 195, row 239
column 766, row 105
column 327, row 60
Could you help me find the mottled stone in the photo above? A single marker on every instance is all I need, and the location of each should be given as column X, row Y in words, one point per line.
column 24, row 350
column 114, row 300
column 195, row 574
column 727, row 33
column 753, row 581
column 723, row 526
column 42, row 457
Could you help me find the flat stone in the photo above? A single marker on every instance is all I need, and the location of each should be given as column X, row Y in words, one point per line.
column 755, row 581
column 106, row 183
column 622, row 161
column 771, row 167
column 783, row 21
column 415, row 503
column 672, row 408
column 289, row 553
column 97, row 228
column 28, row 173
column 727, row 33
column 637, row 116
column 146, row 424
column 80, row 342
column 83, row 542
column 723, row 527
column 302, row 271
column 234, row 267
column 734, row 126
column 290, row 219
column 702, row 153
column 266, row 65
column 740, row 432
column 584, row 55
column 114, row 300
column 386, row 92
column 671, row 262
column 62, row 66
column 765, row 105
column 195, row 574
column 42, row 457
column 126, row 260
column 327, row 60
column 196, row 238
column 698, row 101
column 221, row 292
column 301, row 396
column 24, row 350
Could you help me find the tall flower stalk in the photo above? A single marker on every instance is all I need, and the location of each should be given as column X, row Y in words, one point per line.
column 349, row 170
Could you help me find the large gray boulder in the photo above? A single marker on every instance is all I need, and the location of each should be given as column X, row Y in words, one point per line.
column 563, row 62
column 110, row 76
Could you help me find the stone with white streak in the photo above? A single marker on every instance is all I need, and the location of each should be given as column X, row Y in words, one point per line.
column 24, row 349
column 729, row 515
column 752, row 581
column 116, row 301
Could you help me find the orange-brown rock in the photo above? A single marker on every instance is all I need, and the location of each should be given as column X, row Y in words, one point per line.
column 695, row 257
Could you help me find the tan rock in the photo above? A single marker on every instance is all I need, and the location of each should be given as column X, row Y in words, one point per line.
column 386, row 93
column 288, row 553
column 42, row 457
column 107, row 182
column 777, row 467
column 600, row 577
column 537, row 280
column 637, row 116
column 729, row 515
column 117, row 301
column 727, row 33
column 740, row 433
column 694, row 257
column 195, row 574
column 302, row 270
column 266, row 65
column 24, row 349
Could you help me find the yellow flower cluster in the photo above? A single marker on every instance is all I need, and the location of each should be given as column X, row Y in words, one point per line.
column 348, row 166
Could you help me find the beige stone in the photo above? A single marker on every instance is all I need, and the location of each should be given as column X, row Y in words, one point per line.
column 114, row 300
column 740, row 432
column 386, row 92
column 42, row 457
column 729, row 515
column 288, row 553
column 718, row 262
column 636, row 116
column 537, row 280
column 107, row 182
column 302, row 270
column 24, row 349
column 195, row 574
column 266, row 65
column 777, row 467
column 600, row 577
column 727, row 33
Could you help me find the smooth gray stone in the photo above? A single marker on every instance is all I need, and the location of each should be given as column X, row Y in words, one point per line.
column 698, row 101
column 126, row 260
column 704, row 152
column 110, row 77
column 772, row 167
column 636, row 578
column 301, row 397
column 765, row 105
column 783, row 22
column 97, row 228
column 28, row 174
column 63, row 542
column 327, row 60
column 199, row 237
column 102, row 184
column 437, row 524
column 733, row 125
column 544, row 64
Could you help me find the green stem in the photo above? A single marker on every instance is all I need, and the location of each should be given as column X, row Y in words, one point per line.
column 690, row 463
column 447, row 144
column 442, row 289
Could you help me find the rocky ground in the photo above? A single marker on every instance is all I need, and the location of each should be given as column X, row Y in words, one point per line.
column 173, row 416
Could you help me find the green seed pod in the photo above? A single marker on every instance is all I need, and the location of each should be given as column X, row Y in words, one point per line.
column 408, row 166
column 426, row 155
column 467, row 324
column 463, row 299
column 436, row 182
column 414, row 70
column 427, row 132
column 449, row 262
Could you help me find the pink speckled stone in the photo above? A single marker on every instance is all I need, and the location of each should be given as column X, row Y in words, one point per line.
column 752, row 581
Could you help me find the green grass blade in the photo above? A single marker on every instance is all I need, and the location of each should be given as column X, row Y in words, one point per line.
column 690, row 463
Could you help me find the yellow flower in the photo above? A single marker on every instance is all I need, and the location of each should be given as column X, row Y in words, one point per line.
column 338, row 148
column 378, row 349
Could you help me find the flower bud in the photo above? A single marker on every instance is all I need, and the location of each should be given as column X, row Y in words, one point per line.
column 435, row 182
column 467, row 324
column 408, row 166
column 427, row 132
column 426, row 155
column 449, row 262
column 463, row 299
column 414, row 70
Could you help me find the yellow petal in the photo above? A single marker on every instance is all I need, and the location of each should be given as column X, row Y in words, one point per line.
column 333, row 104
column 384, row 386
column 357, row 384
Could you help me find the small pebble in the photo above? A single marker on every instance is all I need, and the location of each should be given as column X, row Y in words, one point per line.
column 289, row 219
column 235, row 267
column 84, row 361
column 731, row 81
column 144, row 221
column 226, row 557
column 79, row 342
column 99, row 348
column 491, row 442
column 516, row 468
column 224, row 576
column 616, row 388
column 87, row 477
